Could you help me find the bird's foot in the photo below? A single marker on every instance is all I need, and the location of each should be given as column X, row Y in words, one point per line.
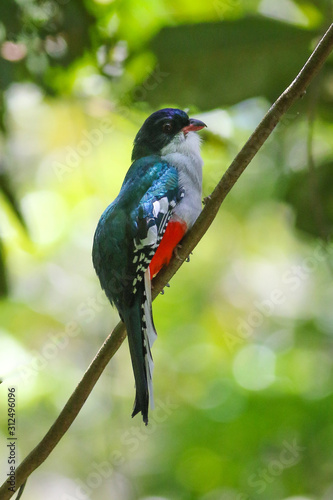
column 206, row 199
column 175, row 252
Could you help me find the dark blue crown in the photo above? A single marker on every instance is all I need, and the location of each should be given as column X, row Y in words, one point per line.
column 158, row 130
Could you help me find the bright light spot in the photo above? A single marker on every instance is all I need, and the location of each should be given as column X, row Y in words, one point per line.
column 88, row 82
column 247, row 114
column 120, row 51
column 94, row 84
column 285, row 10
column 218, row 122
column 55, row 46
column 254, row 367
column 11, row 354
column 46, row 215
column 23, row 96
column 13, row 51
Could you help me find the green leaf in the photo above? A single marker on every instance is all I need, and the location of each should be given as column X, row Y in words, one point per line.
column 219, row 64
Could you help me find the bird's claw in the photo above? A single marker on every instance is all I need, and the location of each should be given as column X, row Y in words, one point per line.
column 163, row 291
column 188, row 257
column 206, row 199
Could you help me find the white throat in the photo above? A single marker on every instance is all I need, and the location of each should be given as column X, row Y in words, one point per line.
column 188, row 145
column 184, row 154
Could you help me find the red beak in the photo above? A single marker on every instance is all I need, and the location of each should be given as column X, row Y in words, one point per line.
column 193, row 126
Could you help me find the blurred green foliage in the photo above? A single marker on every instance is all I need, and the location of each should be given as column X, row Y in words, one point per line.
column 243, row 366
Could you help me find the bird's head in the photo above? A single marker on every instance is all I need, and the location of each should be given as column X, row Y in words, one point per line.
column 164, row 131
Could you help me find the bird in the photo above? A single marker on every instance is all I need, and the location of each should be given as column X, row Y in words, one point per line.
column 137, row 234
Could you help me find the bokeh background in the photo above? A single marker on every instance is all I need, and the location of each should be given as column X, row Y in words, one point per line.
column 243, row 362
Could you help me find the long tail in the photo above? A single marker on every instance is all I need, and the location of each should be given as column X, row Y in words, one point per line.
column 141, row 336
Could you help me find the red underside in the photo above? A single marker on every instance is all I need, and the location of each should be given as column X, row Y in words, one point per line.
column 173, row 234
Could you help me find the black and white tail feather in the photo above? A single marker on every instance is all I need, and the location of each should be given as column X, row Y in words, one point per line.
column 151, row 225
column 141, row 336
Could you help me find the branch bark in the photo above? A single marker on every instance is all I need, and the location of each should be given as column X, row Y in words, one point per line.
column 73, row 406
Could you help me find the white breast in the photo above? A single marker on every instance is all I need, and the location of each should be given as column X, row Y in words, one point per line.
column 184, row 154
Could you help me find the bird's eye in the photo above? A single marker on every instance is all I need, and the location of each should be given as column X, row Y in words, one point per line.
column 167, row 127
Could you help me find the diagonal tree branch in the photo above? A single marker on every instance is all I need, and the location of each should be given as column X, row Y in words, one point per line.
column 73, row 406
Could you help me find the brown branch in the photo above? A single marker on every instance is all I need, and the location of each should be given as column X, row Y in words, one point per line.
column 71, row 409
